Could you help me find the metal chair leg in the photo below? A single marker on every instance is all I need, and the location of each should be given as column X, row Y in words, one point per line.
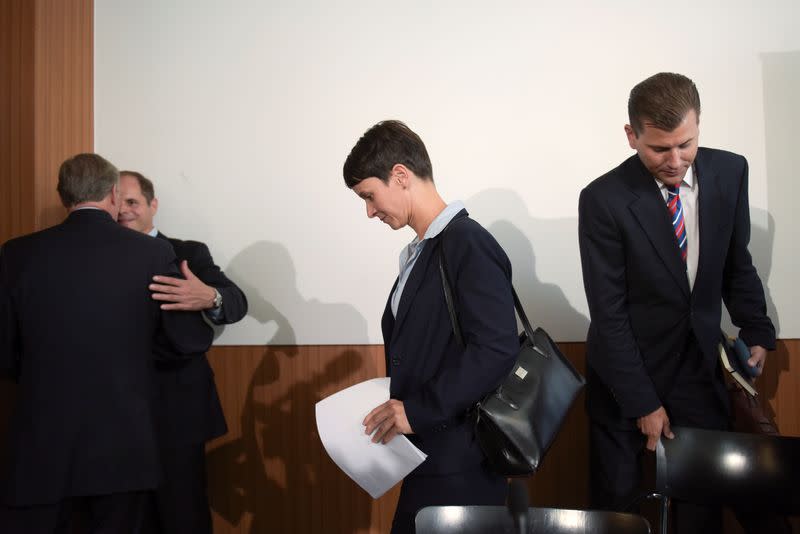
column 665, row 506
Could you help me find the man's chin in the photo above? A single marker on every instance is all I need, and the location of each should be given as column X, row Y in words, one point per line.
column 671, row 178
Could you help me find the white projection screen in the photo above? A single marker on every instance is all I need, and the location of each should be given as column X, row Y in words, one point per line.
column 242, row 113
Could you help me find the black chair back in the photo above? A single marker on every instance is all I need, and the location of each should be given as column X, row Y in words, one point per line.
column 715, row 467
column 497, row 520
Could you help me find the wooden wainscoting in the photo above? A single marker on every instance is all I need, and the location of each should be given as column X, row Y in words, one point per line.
column 46, row 105
column 16, row 118
column 63, row 96
column 270, row 473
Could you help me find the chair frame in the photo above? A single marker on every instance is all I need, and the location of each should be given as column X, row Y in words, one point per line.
column 616, row 522
column 735, row 455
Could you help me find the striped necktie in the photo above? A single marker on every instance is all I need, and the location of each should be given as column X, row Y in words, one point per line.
column 676, row 212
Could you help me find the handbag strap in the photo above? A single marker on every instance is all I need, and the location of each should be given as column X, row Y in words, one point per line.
column 449, row 299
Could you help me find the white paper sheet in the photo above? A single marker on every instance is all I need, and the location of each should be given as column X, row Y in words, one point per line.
column 373, row 466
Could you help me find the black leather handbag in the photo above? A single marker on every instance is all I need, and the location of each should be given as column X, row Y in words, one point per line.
column 516, row 424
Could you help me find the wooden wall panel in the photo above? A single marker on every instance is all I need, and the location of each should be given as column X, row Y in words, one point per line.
column 16, row 118
column 780, row 386
column 46, row 105
column 63, row 96
column 271, row 474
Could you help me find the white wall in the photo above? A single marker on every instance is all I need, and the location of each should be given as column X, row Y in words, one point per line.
column 243, row 112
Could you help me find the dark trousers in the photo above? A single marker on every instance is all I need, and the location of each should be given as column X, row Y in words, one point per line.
column 118, row 513
column 616, row 453
column 479, row 487
column 180, row 504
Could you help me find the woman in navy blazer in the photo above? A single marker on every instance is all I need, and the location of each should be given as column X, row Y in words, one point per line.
column 434, row 380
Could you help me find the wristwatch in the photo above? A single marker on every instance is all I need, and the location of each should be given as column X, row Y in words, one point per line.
column 217, row 302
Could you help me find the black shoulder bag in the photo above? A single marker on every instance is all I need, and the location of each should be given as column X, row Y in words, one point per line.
column 516, row 424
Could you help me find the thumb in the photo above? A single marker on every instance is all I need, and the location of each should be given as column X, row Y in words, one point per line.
column 756, row 362
column 753, row 359
column 187, row 273
column 667, row 431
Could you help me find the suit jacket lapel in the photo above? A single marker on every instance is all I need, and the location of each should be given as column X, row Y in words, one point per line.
column 413, row 284
column 709, row 200
column 650, row 210
column 388, row 320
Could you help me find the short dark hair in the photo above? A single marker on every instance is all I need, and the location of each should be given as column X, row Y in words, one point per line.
column 85, row 178
column 148, row 191
column 662, row 100
column 381, row 148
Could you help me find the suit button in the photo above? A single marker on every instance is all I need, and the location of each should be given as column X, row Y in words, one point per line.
column 395, row 360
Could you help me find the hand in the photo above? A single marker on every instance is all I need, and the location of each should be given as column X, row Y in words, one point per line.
column 387, row 420
column 758, row 355
column 188, row 295
column 653, row 425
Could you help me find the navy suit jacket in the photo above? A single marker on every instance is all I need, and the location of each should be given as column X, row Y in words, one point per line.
column 77, row 329
column 437, row 379
column 189, row 410
column 642, row 311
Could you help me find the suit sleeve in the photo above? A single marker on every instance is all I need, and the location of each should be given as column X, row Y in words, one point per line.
column 614, row 354
column 9, row 335
column 742, row 290
column 234, row 302
column 480, row 275
column 186, row 332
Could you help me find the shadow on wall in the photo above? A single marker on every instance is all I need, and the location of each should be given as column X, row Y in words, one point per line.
column 774, row 247
column 277, row 475
column 521, row 235
column 781, row 81
column 761, row 249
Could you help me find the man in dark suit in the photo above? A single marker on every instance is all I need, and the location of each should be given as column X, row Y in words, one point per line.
column 663, row 240
column 77, row 327
column 189, row 411
column 435, row 380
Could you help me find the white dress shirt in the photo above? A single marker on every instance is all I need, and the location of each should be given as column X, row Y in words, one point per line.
column 689, row 194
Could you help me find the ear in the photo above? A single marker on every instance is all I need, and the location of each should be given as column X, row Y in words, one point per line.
column 116, row 197
column 401, row 174
column 154, row 205
column 631, row 134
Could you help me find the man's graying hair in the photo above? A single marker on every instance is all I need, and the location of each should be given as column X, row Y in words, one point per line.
column 85, row 178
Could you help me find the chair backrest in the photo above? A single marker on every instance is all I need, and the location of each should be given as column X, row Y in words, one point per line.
column 497, row 520
column 708, row 466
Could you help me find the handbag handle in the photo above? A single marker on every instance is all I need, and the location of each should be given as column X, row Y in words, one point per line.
column 448, row 297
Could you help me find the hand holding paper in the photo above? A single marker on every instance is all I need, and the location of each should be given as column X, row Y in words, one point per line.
column 376, row 467
column 387, row 421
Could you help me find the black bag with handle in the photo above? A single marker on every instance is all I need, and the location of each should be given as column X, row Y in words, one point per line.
column 516, row 424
